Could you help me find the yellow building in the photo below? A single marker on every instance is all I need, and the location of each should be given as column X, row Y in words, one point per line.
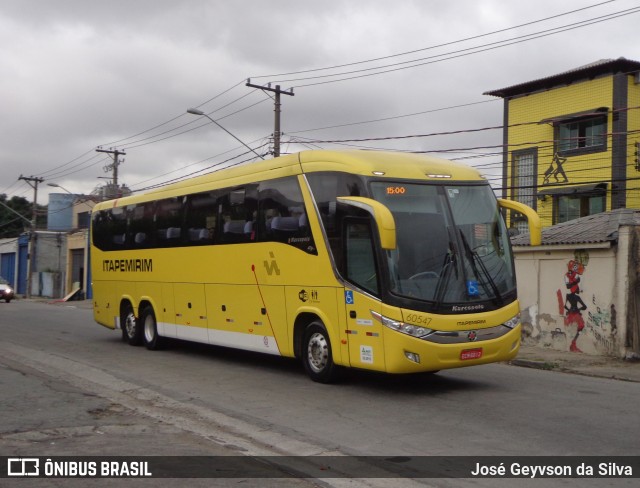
column 571, row 141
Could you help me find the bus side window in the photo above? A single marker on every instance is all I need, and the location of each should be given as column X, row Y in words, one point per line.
column 101, row 230
column 282, row 216
column 326, row 187
column 201, row 216
column 360, row 261
column 238, row 207
column 141, row 225
column 118, row 228
column 168, row 222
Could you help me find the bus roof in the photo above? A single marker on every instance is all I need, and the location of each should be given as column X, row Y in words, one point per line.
column 390, row 164
column 368, row 163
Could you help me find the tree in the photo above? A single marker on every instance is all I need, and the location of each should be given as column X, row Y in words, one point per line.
column 11, row 225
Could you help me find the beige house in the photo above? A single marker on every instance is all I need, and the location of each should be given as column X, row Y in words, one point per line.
column 77, row 271
column 579, row 291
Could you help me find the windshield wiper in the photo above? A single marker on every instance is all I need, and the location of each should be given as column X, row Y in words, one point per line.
column 474, row 258
column 445, row 273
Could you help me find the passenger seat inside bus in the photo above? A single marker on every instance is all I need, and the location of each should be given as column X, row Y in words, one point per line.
column 169, row 234
column 196, row 235
column 284, row 227
column 119, row 239
column 234, row 227
column 173, row 233
column 237, row 231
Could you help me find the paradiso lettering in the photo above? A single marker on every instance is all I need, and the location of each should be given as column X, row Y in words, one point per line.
column 128, row 265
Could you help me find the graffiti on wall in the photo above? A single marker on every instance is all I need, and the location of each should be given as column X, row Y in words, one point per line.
column 573, row 303
column 602, row 325
column 596, row 320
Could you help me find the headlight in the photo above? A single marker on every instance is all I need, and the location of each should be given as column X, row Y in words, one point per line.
column 409, row 329
column 512, row 322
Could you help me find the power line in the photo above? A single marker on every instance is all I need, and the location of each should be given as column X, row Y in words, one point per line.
column 454, row 54
column 460, row 131
column 381, row 58
column 6, row 190
column 132, row 144
column 224, row 92
column 188, row 176
column 45, row 173
column 57, row 168
column 586, row 159
column 394, row 117
column 138, row 143
column 79, row 167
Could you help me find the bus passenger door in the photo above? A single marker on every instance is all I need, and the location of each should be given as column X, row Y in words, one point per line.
column 364, row 334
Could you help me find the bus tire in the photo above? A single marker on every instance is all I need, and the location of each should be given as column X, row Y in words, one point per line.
column 149, row 327
column 131, row 330
column 316, row 354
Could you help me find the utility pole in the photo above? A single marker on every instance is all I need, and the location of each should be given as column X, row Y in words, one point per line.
column 116, row 162
column 276, row 125
column 33, row 182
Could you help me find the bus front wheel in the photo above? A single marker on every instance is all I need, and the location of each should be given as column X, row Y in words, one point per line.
column 316, row 354
column 150, row 329
column 131, row 330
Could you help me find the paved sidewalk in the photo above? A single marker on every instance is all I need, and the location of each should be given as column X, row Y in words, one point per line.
column 536, row 357
column 578, row 363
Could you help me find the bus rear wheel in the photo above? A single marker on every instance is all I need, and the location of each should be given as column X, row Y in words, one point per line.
column 316, row 354
column 152, row 340
column 131, row 330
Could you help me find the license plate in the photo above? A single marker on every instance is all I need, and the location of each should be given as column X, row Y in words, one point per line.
column 471, row 354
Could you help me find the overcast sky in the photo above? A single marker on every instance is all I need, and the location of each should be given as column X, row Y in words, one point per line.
column 78, row 74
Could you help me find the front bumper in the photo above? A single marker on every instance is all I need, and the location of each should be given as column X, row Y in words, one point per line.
column 405, row 354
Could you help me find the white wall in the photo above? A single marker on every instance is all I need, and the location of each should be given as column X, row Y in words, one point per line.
column 588, row 317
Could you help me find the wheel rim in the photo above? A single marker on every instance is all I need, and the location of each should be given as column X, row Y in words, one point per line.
column 130, row 324
column 317, row 352
column 149, row 328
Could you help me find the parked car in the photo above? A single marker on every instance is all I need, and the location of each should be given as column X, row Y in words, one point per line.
column 6, row 292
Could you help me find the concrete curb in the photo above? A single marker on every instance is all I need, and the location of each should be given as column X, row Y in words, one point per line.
column 596, row 366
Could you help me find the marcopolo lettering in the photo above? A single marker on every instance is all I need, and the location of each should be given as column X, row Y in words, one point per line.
column 128, row 265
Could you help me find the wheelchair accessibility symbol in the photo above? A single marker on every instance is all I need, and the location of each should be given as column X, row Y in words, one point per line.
column 472, row 288
column 348, row 297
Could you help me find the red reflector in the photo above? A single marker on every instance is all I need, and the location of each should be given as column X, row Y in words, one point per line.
column 471, row 354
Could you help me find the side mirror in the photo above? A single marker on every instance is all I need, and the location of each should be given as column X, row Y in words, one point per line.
column 381, row 214
column 533, row 219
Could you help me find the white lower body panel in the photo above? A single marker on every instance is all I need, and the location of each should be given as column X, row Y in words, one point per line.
column 238, row 340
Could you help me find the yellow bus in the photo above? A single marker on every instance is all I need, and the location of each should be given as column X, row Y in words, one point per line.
column 392, row 262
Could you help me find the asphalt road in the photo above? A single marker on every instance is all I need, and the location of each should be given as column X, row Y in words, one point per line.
column 72, row 387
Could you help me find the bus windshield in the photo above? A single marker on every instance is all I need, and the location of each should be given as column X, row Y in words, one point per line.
column 452, row 244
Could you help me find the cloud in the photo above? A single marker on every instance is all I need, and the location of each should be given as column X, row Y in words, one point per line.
column 79, row 74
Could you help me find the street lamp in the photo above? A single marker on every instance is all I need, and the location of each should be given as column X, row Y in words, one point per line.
column 55, row 185
column 195, row 111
